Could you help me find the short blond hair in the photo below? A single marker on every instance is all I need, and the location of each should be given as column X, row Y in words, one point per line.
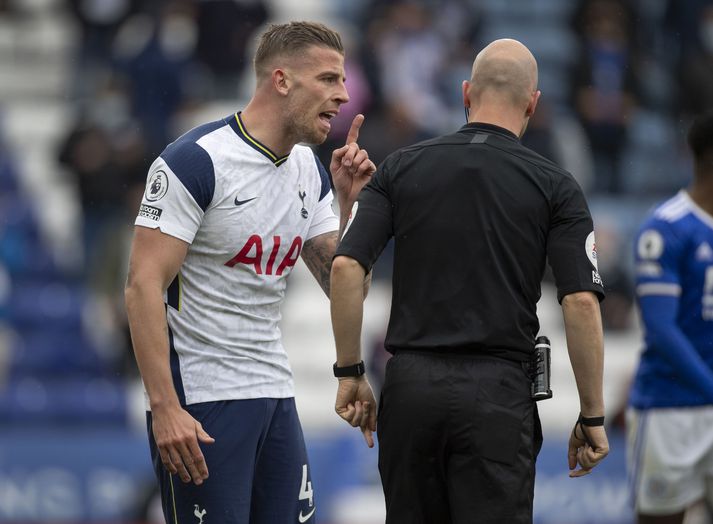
column 291, row 38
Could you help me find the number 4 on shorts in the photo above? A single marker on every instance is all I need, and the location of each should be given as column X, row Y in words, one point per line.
column 306, row 492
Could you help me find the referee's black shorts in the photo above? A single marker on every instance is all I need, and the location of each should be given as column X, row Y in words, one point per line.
column 458, row 438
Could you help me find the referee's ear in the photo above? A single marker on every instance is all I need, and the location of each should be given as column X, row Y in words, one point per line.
column 466, row 97
column 530, row 110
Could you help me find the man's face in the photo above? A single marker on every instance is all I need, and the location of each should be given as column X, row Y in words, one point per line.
column 317, row 90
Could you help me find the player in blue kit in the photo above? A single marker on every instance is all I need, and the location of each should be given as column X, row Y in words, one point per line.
column 229, row 208
column 670, row 418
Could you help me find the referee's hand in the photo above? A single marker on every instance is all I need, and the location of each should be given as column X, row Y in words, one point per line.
column 355, row 403
column 586, row 450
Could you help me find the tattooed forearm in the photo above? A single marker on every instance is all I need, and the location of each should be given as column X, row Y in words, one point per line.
column 317, row 255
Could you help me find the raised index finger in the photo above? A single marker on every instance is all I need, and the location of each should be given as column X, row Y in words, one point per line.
column 353, row 134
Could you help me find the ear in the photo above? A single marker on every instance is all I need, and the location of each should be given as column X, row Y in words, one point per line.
column 466, row 89
column 281, row 81
column 530, row 109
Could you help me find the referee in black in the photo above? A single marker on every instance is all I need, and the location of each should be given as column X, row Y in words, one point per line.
column 475, row 215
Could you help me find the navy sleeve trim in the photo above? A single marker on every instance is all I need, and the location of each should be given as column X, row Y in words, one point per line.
column 173, row 294
column 324, row 175
column 176, row 369
column 194, row 168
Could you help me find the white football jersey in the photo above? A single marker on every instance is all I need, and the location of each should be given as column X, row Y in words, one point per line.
column 246, row 214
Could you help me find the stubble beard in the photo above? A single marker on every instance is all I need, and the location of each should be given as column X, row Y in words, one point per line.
column 303, row 129
column 308, row 133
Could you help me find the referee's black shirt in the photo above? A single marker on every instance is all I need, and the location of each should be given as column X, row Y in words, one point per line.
column 474, row 216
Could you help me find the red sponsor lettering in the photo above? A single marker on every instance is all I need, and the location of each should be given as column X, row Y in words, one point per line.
column 292, row 255
column 244, row 257
column 251, row 254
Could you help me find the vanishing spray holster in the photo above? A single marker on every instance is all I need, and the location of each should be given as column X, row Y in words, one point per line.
column 540, row 370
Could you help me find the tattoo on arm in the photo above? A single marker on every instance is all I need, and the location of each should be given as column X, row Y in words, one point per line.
column 317, row 254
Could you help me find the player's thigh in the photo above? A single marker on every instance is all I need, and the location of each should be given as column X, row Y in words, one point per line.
column 668, row 452
column 283, row 491
column 412, row 440
column 225, row 496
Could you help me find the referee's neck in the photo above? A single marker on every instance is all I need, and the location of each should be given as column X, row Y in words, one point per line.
column 495, row 116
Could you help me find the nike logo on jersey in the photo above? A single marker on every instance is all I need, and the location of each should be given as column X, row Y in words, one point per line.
column 241, row 202
column 305, row 518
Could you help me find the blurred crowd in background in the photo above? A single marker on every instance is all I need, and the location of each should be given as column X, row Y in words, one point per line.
column 621, row 80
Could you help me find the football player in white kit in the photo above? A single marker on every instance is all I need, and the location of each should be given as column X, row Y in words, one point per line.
column 228, row 209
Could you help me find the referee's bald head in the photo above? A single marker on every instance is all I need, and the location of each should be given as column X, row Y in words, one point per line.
column 504, row 70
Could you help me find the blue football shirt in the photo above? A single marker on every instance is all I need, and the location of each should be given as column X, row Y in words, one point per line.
column 674, row 276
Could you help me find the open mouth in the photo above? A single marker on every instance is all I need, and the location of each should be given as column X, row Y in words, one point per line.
column 326, row 116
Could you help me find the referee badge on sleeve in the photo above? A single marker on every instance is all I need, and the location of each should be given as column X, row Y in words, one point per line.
column 596, row 279
column 590, row 247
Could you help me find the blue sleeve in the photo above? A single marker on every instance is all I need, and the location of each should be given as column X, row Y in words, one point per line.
column 658, row 255
column 663, row 335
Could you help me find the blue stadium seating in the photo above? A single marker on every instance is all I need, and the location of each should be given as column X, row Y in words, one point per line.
column 63, row 402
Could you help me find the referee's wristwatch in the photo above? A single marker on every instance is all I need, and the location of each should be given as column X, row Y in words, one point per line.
column 355, row 370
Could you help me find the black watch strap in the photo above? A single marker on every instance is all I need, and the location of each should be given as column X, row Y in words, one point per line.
column 355, row 370
column 590, row 421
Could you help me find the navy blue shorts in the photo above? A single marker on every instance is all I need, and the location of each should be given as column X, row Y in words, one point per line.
column 257, row 466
